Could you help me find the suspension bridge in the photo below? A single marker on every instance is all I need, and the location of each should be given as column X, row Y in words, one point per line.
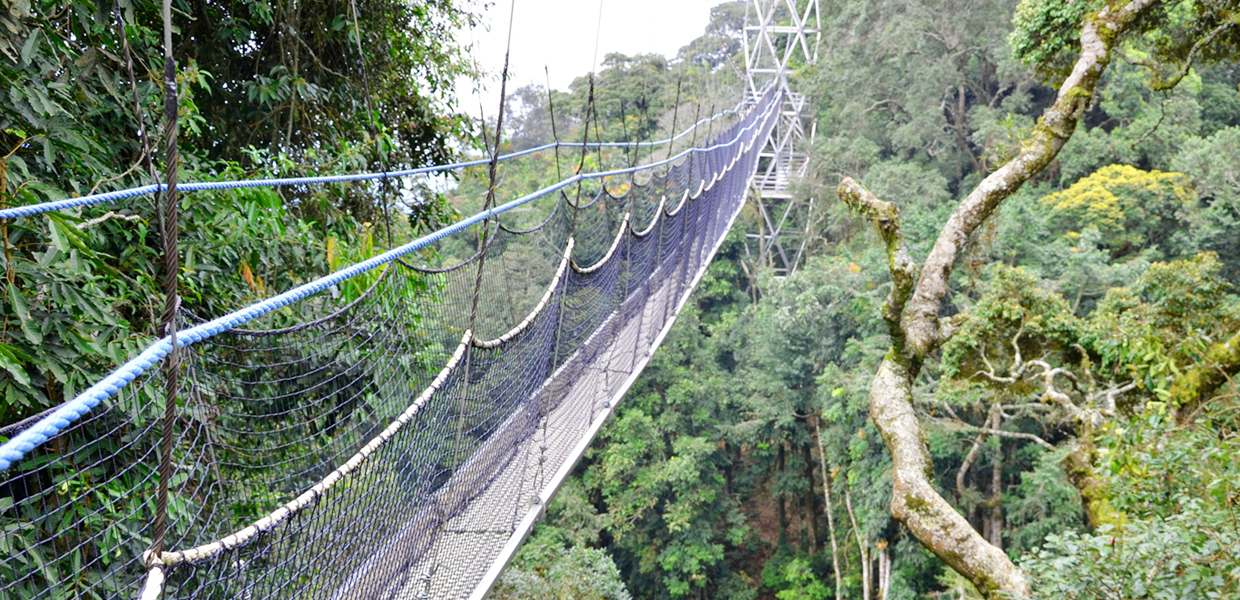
column 403, row 441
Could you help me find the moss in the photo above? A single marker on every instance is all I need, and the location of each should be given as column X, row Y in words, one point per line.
column 1079, row 467
column 919, row 506
column 1221, row 361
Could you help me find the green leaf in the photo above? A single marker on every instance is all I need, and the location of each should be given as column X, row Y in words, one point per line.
column 58, row 237
column 8, row 360
column 70, row 233
column 32, row 44
column 19, row 303
column 29, row 327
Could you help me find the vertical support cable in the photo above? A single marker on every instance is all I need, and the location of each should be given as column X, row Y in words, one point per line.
column 687, row 243
column 168, row 324
column 137, row 103
column 492, row 170
column 572, row 226
column 658, row 246
column 554, row 134
column 374, row 128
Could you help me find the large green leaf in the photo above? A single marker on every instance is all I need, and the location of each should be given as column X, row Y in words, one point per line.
column 10, row 362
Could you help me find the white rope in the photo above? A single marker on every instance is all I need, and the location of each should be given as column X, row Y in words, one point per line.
column 624, row 228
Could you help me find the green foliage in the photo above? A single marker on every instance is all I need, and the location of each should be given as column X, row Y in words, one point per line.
column 558, row 561
column 1177, row 486
column 724, row 38
column 799, row 582
column 1220, row 105
column 1046, row 32
column 1164, row 323
column 1013, row 303
column 1043, row 503
column 80, row 288
column 896, row 81
column 1214, row 165
column 567, row 574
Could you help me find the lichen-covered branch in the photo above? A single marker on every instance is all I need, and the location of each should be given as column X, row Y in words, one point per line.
column 1078, row 465
column 915, row 502
column 1057, row 124
column 1197, row 385
column 974, row 451
column 1156, row 81
column 886, row 217
column 989, row 429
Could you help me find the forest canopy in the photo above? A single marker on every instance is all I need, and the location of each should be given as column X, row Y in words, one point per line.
column 1006, row 367
column 1081, row 417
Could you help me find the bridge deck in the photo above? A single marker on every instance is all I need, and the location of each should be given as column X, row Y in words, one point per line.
column 475, row 546
column 472, row 543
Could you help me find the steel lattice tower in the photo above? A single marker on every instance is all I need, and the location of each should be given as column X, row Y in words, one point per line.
column 781, row 36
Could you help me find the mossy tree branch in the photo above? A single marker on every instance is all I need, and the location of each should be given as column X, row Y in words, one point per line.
column 886, row 217
column 912, row 313
column 1197, row 385
column 1099, row 33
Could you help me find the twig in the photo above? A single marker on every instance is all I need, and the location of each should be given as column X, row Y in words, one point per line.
column 1188, row 63
column 108, row 216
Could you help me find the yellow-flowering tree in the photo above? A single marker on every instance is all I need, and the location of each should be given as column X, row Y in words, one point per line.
column 1133, row 209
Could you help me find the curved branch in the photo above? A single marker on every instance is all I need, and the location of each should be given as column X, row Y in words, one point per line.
column 1160, row 85
column 974, row 450
column 913, row 319
column 1197, row 385
column 1057, row 124
column 886, row 217
column 1017, row 435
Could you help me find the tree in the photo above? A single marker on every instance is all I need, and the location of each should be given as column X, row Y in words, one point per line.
column 913, row 308
column 263, row 93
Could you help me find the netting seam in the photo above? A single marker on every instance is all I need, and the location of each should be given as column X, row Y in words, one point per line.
column 658, row 218
column 554, row 211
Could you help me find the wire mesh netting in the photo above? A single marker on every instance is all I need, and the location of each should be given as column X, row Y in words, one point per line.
column 391, row 447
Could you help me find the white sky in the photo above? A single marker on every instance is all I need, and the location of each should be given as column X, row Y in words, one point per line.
column 560, row 34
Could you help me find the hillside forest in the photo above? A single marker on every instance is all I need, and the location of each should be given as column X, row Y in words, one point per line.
column 1005, row 368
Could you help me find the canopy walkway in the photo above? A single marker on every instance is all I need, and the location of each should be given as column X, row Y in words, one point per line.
column 403, row 437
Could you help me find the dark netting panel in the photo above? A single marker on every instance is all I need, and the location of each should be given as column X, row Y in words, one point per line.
column 392, row 446
column 71, row 527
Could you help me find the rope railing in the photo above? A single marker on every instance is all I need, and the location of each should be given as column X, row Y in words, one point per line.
column 100, row 198
column 396, row 445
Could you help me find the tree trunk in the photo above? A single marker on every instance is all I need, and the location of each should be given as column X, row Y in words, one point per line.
column 914, row 501
column 810, row 519
column 781, row 512
column 861, row 543
column 826, row 496
column 958, row 123
column 1078, row 464
column 913, row 308
column 996, row 498
column 884, row 570
column 1196, row 386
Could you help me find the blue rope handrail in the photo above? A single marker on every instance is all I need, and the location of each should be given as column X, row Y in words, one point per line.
column 30, row 210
